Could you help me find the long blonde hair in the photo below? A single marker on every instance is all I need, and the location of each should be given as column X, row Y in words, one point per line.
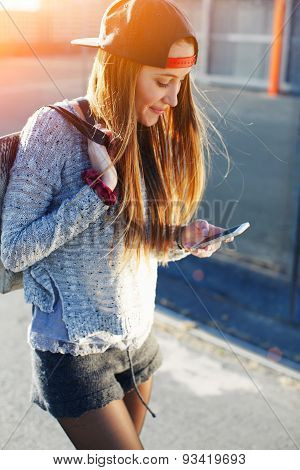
column 173, row 156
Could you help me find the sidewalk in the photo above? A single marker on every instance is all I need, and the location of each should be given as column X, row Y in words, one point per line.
column 205, row 397
column 225, row 400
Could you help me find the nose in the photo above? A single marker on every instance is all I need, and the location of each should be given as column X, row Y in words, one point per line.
column 171, row 96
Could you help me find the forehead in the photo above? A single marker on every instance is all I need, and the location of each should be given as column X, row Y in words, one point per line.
column 174, row 73
column 167, row 72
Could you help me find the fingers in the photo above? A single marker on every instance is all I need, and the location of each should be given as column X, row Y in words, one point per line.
column 199, row 230
column 203, row 226
column 207, row 250
column 229, row 240
column 195, row 232
column 202, row 253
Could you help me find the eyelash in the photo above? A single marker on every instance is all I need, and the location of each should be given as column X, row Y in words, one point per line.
column 162, row 85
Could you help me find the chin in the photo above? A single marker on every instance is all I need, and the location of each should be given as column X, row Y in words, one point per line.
column 147, row 121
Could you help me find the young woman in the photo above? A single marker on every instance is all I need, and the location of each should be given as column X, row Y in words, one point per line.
column 88, row 225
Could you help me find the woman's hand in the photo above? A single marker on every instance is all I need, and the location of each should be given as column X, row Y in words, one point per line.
column 197, row 231
column 100, row 160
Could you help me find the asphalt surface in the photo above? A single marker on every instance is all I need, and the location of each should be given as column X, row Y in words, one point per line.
column 205, row 395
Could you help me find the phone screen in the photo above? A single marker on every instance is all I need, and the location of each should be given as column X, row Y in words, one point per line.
column 221, row 234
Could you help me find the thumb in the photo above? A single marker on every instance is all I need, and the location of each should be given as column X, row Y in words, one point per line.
column 204, row 226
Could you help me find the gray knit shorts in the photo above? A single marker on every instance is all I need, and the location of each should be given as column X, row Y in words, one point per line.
column 67, row 385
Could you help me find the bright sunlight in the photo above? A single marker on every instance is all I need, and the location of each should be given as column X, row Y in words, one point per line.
column 20, row 4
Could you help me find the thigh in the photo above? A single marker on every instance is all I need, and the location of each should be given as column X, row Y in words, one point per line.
column 136, row 408
column 106, row 428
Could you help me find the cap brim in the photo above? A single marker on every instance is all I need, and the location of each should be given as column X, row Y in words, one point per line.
column 89, row 42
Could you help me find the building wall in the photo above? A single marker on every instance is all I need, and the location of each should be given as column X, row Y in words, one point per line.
column 73, row 18
column 241, row 31
column 19, row 25
column 293, row 69
column 234, row 36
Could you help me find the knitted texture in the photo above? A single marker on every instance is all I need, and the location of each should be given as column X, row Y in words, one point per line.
column 55, row 227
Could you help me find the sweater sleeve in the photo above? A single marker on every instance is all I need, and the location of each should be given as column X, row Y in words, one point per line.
column 175, row 252
column 30, row 231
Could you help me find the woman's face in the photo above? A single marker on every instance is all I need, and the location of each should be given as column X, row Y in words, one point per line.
column 156, row 90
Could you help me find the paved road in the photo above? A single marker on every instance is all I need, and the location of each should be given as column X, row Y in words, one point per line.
column 204, row 396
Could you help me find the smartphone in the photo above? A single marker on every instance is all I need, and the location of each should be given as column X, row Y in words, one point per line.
column 228, row 233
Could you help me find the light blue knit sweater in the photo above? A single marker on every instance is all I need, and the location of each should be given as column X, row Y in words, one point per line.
column 55, row 227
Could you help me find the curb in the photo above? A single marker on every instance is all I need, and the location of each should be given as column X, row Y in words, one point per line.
column 169, row 318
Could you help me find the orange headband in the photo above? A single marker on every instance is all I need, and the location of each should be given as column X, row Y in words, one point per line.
column 177, row 62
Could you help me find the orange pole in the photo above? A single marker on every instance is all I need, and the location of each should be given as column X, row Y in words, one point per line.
column 275, row 53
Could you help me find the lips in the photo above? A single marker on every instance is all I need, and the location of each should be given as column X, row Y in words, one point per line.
column 157, row 110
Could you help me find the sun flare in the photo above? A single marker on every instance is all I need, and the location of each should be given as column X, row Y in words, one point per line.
column 21, row 4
